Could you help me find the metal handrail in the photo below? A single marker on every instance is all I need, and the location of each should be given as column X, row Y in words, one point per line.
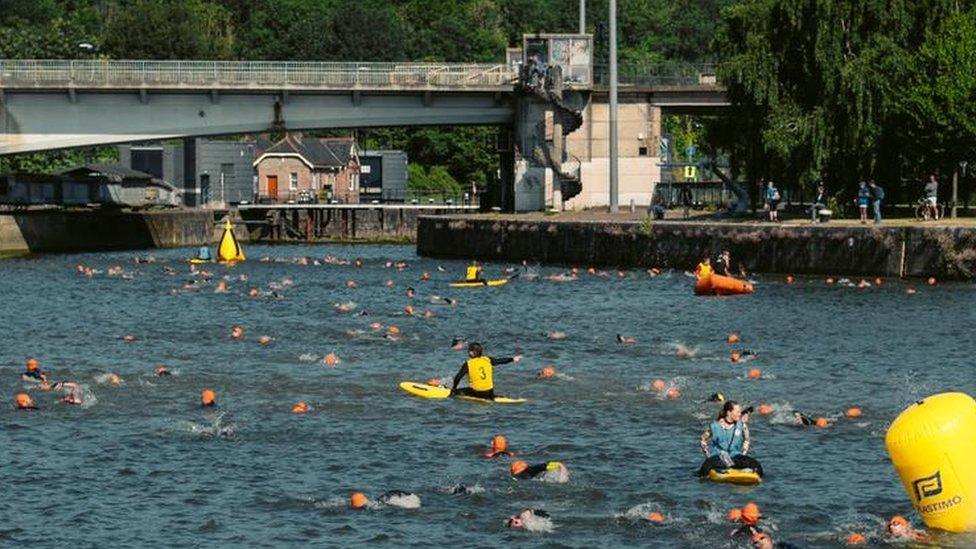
column 96, row 73
column 668, row 73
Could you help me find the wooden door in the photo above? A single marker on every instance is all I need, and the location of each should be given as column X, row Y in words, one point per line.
column 273, row 187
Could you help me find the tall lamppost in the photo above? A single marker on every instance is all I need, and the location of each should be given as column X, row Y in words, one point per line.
column 614, row 199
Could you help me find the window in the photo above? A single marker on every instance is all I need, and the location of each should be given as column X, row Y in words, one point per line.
column 352, row 182
column 293, row 181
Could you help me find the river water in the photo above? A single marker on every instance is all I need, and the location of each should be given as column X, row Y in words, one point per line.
column 141, row 464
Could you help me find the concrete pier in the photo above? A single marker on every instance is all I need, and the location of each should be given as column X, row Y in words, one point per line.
column 56, row 230
column 903, row 251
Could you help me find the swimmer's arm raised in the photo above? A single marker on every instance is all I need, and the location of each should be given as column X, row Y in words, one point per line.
column 745, row 439
column 501, row 360
column 705, row 438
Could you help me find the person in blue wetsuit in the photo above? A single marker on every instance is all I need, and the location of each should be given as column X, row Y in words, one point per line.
column 725, row 442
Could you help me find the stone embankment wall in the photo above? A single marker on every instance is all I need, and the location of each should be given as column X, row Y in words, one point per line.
column 815, row 249
column 350, row 224
column 55, row 230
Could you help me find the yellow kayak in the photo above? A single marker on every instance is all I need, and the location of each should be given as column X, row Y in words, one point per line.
column 745, row 477
column 479, row 283
column 423, row 390
column 198, row 261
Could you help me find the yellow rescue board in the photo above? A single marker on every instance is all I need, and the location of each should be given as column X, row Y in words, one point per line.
column 423, row 390
column 490, row 283
column 735, row 476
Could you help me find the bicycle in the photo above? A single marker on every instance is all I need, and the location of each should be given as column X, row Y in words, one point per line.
column 923, row 212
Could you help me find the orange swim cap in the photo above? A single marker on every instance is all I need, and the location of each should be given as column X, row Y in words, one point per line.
column 114, row 379
column 299, row 408
column 393, row 330
column 821, row 423
column 264, row 340
column 357, row 500
column 853, row 411
column 23, row 400
column 765, row 409
column 790, row 279
column 659, row 385
column 855, row 539
column 655, row 517
column 32, row 365
column 517, row 467
column 734, row 357
column 734, row 514
column 750, row 513
column 897, row 520
column 547, row 372
column 830, row 280
column 733, row 338
column 208, row 398
column 674, row 393
column 331, row 359
column 499, row 443
column 755, row 373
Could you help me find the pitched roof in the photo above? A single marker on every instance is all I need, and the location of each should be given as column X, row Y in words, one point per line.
column 114, row 172
column 323, row 152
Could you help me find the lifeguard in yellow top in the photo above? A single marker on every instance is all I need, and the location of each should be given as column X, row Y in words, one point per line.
column 704, row 269
column 229, row 250
column 473, row 273
column 479, row 371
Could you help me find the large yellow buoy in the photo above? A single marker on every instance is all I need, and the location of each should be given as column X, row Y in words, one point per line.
column 228, row 249
column 932, row 445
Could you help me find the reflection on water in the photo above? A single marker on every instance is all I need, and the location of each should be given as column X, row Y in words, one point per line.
column 138, row 463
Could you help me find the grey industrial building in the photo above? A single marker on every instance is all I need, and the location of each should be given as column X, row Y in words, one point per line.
column 382, row 176
column 205, row 170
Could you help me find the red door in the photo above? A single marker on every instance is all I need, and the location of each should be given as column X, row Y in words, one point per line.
column 273, row 187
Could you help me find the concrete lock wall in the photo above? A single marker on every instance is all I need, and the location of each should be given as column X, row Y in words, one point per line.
column 911, row 252
column 336, row 223
column 93, row 230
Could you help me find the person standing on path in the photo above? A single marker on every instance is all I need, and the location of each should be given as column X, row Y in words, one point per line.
column 772, row 201
column 877, row 195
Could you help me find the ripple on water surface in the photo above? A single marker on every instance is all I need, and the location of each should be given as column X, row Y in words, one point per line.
column 139, row 463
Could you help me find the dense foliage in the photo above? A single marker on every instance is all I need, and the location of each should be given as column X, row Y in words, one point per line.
column 842, row 91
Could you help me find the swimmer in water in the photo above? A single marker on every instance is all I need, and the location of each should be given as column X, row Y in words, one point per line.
column 624, row 340
column 411, row 293
column 499, row 447
column 33, row 373
column 898, row 527
column 762, row 540
column 801, row 420
column 749, row 516
column 478, row 369
column 399, row 498
column 438, row 300
column 23, row 401
column 458, row 344
column 162, row 371
column 556, row 335
column 550, row 470
column 528, row 518
column 459, row 489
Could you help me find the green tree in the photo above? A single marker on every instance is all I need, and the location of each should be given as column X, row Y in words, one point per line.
column 160, row 29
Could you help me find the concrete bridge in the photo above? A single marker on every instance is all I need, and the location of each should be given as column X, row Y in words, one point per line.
column 557, row 147
column 54, row 104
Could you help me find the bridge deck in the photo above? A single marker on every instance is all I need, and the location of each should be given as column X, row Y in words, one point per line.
column 253, row 75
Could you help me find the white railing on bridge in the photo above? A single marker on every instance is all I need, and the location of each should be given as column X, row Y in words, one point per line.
column 246, row 75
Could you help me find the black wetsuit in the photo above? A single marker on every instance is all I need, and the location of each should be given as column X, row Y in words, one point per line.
column 533, row 471
column 36, row 375
column 804, row 420
column 468, row 391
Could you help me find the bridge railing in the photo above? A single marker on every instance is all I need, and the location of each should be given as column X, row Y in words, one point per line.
column 94, row 73
column 659, row 74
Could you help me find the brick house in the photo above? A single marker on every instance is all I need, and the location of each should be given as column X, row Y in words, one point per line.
column 328, row 168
